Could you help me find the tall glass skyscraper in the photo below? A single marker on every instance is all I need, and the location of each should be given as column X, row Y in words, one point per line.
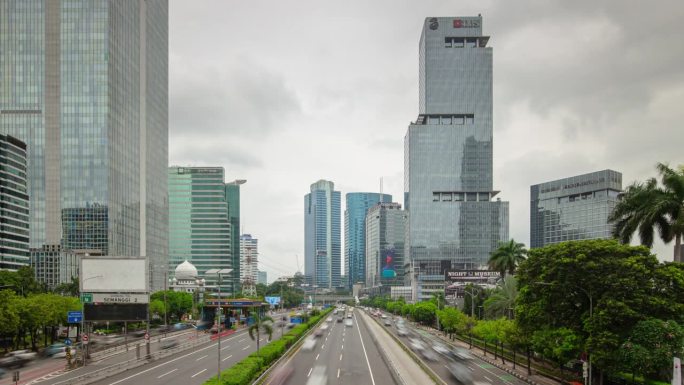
column 385, row 232
column 85, row 85
column 322, row 243
column 573, row 208
column 453, row 221
column 355, row 233
column 14, row 205
column 199, row 226
column 233, row 199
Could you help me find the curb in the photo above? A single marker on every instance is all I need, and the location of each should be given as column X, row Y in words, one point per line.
column 383, row 354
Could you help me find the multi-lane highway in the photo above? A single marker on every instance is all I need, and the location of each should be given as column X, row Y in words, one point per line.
column 481, row 372
column 342, row 355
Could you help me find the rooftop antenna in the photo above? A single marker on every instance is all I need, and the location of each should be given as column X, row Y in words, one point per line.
column 380, row 187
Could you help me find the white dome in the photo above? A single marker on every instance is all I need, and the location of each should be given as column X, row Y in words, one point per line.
column 186, row 270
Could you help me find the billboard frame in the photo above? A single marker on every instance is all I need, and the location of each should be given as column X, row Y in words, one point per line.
column 113, row 271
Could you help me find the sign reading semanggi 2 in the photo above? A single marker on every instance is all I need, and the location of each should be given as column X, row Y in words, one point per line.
column 466, row 23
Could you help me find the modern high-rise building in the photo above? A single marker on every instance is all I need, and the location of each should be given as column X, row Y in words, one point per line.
column 14, row 205
column 233, row 197
column 454, row 221
column 199, row 227
column 85, row 86
column 355, row 234
column 249, row 264
column 385, row 233
column 573, row 208
column 262, row 277
column 322, row 238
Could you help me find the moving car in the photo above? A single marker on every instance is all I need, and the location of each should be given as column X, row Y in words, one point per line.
column 348, row 323
column 54, row 349
column 462, row 354
column 441, row 349
column 318, row 376
column 168, row 343
column 460, row 372
column 329, row 319
column 309, row 344
column 416, row 344
column 402, row 331
column 339, row 319
column 388, row 322
column 349, row 315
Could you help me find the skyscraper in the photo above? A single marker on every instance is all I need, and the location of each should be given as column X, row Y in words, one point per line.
column 85, row 86
column 573, row 208
column 199, row 227
column 233, row 199
column 385, row 232
column 14, row 205
column 249, row 255
column 453, row 221
column 322, row 243
column 355, row 233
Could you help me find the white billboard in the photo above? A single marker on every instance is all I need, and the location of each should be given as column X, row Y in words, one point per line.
column 113, row 275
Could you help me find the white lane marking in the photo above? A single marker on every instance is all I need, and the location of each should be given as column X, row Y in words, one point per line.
column 323, row 347
column 364, row 350
column 225, row 348
column 317, row 356
column 309, row 372
column 226, row 358
column 168, row 373
column 338, row 373
column 242, row 340
column 340, row 357
column 246, row 347
column 202, row 357
column 487, row 378
column 198, row 373
column 165, row 363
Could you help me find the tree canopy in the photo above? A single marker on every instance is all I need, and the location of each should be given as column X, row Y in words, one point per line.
column 507, row 257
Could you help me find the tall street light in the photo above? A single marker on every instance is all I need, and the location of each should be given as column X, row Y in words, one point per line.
column 220, row 273
column 591, row 318
column 83, row 345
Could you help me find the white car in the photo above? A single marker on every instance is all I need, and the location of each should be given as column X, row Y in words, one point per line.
column 348, row 322
column 329, row 319
column 309, row 344
column 416, row 344
column 318, row 376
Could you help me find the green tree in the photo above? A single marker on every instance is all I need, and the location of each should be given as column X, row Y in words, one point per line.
column 261, row 323
column 507, row 257
column 598, row 289
column 157, row 307
column 424, row 312
column 452, row 320
column 9, row 313
column 648, row 206
column 177, row 303
column 650, row 348
column 22, row 281
column 502, row 300
column 560, row 345
column 68, row 288
column 472, row 304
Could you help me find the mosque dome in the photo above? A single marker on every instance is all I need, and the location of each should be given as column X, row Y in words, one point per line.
column 186, row 271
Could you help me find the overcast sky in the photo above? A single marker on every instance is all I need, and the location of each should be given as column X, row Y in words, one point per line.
column 283, row 93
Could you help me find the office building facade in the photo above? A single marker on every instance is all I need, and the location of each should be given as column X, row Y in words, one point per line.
column 52, row 265
column 385, row 233
column 322, row 237
column 14, row 204
column 233, row 199
column 262, row 277
column 85, row 86
column 199, row 227
column 357, row 205
column 573, row 208
column 454, row 220
column 249, row 264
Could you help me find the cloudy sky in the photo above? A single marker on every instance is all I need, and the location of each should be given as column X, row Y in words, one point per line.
column 283, row 93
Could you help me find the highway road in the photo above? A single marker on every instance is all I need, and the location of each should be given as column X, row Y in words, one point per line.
column 343, row 354
column 482, row 373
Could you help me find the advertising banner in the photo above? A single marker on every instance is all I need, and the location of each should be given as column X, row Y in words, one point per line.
column 457, row 280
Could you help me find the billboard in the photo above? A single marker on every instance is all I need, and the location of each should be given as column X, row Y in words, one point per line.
column 273, row 301
column 115, row 312
column 457, row 280
column 388, row 264
column 113, row 275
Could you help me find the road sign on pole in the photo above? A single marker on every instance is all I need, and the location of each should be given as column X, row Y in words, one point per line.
column 87, row 297
column 84, row 338
column 147, row 337
column 67, row 342
column 74, row 317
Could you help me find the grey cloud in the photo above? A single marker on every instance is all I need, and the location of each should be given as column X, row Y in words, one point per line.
column 212, row 153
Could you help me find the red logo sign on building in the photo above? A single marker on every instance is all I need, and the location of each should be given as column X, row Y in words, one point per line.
column 458, row 23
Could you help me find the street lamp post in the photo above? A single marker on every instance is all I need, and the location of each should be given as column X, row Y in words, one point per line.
column 589, row 380
column 83, row 345
column 220, row 273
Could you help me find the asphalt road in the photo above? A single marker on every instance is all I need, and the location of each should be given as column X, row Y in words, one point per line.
column 344, row 355
column 482, row 373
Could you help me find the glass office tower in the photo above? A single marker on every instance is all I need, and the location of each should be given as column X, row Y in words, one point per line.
column 385, row 231
column 14, row 205
column 355, row 234
column 233, row 199
column 85, row 85
column 454, row 221
column 322, row 243
column 573, row 208
column 199, row 226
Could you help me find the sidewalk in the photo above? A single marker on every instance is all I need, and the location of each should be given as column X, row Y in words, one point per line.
column 398, row 360
column 519, row 371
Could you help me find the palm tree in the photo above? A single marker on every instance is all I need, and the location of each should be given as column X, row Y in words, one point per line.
column 507, row 257
column 646, row 206
column 502, row 300
column 264, row 324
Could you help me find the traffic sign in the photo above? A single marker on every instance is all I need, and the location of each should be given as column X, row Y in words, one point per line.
column 84, row 338
column 74, row 317
column 87, row 297
column 147, row 337
column 67, row 342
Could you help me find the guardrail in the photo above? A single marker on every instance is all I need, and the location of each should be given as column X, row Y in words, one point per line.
column 96, row 375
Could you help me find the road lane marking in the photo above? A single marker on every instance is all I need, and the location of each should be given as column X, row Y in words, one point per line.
column 202, row 357
column 342, row 348
column 317, row 356
column 340, row 357
column 198, row 373
column 338, row 373
column 226, row 358
column 323, row 347
column 309, row 372
column 364, row 349
column 246, row 347
column 242, row 340
column 168, row 373
column 488, row 379
column 225, row 347
column 165, row 363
